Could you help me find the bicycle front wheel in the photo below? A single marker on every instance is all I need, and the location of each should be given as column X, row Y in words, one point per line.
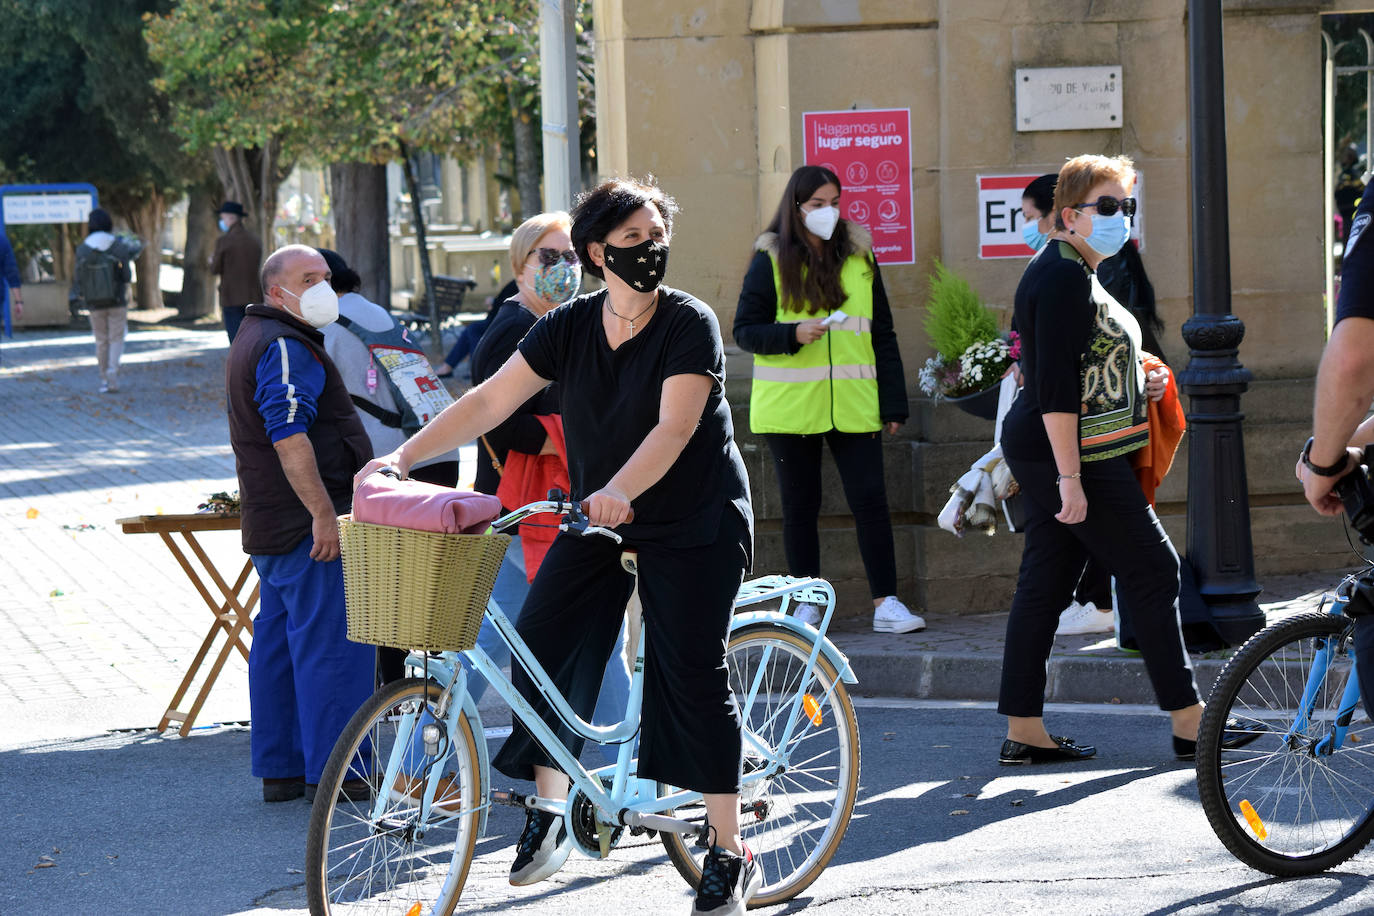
column 794, row 818
column 368, row 849
column 1290, row 802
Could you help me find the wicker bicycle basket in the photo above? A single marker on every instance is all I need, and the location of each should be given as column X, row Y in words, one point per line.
column 417, row 589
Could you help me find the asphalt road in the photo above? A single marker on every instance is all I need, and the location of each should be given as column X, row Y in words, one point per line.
column 135, row 823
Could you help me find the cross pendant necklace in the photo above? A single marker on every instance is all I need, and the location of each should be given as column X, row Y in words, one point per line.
column 631, row 321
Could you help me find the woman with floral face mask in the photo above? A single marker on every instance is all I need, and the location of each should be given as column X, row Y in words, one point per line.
column 814, row 313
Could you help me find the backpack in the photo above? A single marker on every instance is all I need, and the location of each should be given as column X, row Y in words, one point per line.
column 417, row 391
column 98, row 277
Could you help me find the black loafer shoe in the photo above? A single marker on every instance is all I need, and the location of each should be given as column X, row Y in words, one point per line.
column 1237, row 735
column 1014, row 752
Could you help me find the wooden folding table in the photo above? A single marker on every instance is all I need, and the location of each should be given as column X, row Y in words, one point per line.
column 233, row 615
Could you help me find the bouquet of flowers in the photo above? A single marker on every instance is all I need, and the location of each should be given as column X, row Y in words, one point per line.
column 980, row 366
column 971, row 354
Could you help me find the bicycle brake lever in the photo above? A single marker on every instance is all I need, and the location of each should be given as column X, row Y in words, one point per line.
column 593, row 529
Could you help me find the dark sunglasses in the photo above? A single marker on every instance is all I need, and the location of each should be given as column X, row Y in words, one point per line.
column 551, row 256
column 1107, row 206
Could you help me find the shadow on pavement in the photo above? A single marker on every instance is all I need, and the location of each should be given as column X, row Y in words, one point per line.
column 138, row 823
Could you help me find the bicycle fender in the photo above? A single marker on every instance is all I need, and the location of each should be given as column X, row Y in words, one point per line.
column 483, row 759
column 829, row 650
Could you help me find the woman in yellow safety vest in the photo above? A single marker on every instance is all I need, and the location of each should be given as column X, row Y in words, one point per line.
column 814, row 313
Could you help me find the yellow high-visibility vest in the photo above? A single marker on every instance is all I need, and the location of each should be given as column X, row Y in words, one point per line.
column 831, row 383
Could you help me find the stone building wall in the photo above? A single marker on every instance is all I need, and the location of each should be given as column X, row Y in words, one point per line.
column 708, row 96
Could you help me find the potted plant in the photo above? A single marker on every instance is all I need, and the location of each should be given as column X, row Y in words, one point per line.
column 971, row 354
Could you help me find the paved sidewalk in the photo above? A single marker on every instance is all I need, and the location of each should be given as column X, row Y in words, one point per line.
column 99, row 626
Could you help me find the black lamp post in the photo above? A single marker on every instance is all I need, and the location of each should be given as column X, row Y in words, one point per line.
column 1219, row 545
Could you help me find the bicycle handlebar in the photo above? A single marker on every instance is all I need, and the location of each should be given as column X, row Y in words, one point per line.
column 574, row 514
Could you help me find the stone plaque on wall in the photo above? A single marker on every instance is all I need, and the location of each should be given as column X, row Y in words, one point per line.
column 1068, row 98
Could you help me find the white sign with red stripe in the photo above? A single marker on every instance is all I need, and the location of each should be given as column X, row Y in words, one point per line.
column 1000, row 219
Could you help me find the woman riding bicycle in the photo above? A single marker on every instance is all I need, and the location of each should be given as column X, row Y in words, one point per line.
column 641, row 371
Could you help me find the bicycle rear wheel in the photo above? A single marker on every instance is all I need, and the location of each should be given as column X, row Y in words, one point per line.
column 1310, row 806
column 365, row 857
column 794, row 819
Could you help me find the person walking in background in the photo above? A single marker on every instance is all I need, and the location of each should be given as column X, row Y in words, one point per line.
column 10, row 283
column 1068, row 438
column 236, row 259
column 297, row 442
column 814, row 313
column 101, row 284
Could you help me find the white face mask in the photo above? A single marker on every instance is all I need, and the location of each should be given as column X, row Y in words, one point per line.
column 822, row 220
column 319, row 304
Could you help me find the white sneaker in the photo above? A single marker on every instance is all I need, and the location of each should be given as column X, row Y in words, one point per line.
column 894, row 617
column 104, row 388
column 1078, row 619
column 808, row 613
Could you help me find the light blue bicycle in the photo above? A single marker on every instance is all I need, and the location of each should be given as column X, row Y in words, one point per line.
column 1298, row 796
column 410, row 781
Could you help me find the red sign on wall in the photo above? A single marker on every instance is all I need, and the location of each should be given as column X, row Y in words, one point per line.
column 870, row 151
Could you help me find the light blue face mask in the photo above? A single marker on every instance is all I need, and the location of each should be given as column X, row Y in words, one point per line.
column 1109, row 233
column 1032, row 235
column 223, row 226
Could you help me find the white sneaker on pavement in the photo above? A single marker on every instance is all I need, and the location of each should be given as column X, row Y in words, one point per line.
column 894, row 617
column 808, row 613
column 1079, row 619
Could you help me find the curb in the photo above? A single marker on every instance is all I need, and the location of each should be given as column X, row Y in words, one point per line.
column 965, row 676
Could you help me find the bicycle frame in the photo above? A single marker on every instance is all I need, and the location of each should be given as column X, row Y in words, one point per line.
column 624, row 799
column 1350, row 697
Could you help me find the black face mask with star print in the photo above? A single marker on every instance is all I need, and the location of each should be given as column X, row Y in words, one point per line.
column 641, row 267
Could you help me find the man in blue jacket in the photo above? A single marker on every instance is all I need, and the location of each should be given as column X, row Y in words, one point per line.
column 297, row 443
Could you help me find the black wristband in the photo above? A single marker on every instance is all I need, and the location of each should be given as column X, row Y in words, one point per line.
column 1333, row 470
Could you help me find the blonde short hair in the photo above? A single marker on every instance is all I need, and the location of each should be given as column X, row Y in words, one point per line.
column 1082, row 173
column 528, row 234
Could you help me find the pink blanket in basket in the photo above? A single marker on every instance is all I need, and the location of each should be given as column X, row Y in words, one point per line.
column 383, row 500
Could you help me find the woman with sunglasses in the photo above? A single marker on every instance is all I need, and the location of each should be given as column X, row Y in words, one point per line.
column 641, row 375
column 814, row 313
column 1067, row 439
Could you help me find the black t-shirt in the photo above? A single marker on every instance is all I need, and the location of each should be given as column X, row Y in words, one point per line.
column 1054, row 316
column 1357, row 266
column 610, row 403
column 520, row 431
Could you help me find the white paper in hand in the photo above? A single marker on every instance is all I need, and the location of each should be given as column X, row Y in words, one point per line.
column 836, row 317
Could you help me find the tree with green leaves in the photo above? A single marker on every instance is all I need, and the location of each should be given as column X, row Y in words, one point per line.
column 80, row 106
column 354, row 82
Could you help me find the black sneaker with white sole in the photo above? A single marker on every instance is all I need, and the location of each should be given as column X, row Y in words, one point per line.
column 727, row 883
column 539, row 852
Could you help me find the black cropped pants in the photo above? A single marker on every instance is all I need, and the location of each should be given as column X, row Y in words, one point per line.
column 689, row 723
column 859, row 458
column 1122, row 534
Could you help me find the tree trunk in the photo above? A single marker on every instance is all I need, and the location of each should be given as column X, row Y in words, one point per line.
column 360, row 227
column 528, row 168
column 252, row 177
column 198, row 295
column 436, row 343
column 146, row 221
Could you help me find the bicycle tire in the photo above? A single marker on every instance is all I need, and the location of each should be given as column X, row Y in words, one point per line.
column 1312, row 811
column 785, row 842
column 355, row 862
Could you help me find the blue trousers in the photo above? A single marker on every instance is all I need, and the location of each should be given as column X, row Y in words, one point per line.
column 512, row 585
column 305, row 679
